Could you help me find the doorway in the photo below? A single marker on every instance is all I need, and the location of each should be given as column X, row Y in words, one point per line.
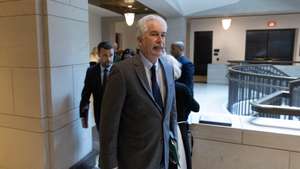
column 202, row 54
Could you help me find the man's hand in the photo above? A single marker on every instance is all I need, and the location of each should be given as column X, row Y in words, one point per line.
column 84, row 122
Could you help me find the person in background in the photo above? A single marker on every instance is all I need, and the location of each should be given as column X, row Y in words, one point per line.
column 94, row 83
column 117, row 54
column 185, row 103
column 137, row 50
column 94, row 58
column 174, row 62
column 138, row 114
column 188, row 69
column 127, row 53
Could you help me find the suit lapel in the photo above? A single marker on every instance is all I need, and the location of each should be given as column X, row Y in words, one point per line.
column 98, row 76
column 141, row 74
column 167, row 71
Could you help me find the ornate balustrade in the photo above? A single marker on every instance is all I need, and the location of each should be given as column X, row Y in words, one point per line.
column 249, row 83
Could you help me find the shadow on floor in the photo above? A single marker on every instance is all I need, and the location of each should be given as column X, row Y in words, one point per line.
column 88, row 162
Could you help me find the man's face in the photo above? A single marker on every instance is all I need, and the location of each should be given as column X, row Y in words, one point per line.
column 152, row 42
column 106, row 57
column 175, row 50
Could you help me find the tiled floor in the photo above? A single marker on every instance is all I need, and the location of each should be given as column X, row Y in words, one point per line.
column 91, row 160
column 200, row 79
column 212, row 99
column 88, row 162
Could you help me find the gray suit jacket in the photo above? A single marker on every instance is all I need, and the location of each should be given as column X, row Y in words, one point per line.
column 134, row 131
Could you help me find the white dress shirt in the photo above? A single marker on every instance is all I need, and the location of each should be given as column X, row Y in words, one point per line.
column 159, row 75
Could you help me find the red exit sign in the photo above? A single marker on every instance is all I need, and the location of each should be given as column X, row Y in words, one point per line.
column 271, row 23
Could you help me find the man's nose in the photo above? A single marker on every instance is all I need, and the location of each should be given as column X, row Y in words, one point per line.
column 159, row 39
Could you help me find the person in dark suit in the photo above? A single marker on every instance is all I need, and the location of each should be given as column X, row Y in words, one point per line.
column 127, row 53
column 117, row 54
column 94, row 83
column 138, row 113
column 187, row 68
column 185, row 104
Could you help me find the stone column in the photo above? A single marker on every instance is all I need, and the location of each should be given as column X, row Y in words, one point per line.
column 44, row 49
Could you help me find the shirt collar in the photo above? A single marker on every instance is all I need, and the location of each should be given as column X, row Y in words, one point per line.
column 147, row 63
column 108, row 68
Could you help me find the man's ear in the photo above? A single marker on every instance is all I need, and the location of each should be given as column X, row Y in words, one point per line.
column 139, row 39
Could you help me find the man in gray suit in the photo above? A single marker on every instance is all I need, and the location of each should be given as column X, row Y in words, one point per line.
column 138, row 110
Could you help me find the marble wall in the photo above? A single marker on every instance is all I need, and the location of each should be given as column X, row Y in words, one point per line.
column 44, row 51
column 94, row 26
column 216, row 73
column 232, row 42
column 245, row 147
column 176, row 32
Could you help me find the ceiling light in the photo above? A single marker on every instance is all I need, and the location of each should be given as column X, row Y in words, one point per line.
column 226, row 22
column 129, row 18
column 129, row 1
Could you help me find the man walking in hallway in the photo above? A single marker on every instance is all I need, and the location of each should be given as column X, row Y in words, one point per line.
column 187, row 68
column 138, row 112
column 94, row 83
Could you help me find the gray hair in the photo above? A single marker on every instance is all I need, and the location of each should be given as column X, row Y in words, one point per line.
column 179, row 44
column 141, row 24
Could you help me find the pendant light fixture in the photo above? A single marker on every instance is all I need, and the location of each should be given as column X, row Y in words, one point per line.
column 226, row 22
column 129, row 18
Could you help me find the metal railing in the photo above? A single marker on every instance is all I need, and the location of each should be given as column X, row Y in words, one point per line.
column 248, row 83
column 272, row 62
column 279, row 104
column 284, row 104
column 295, row 93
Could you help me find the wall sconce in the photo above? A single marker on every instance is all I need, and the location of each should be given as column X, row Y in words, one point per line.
column 226, row 23
column 129, row 18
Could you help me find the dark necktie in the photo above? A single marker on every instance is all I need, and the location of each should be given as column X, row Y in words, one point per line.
column 155, row 88
column 104, row 77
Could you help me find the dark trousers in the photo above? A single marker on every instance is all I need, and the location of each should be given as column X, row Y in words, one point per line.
column 184, row 129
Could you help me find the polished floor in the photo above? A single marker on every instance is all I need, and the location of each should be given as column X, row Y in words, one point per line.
column 200, row 79
column 88, row 162
column 91, row 160
column 211, row 97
